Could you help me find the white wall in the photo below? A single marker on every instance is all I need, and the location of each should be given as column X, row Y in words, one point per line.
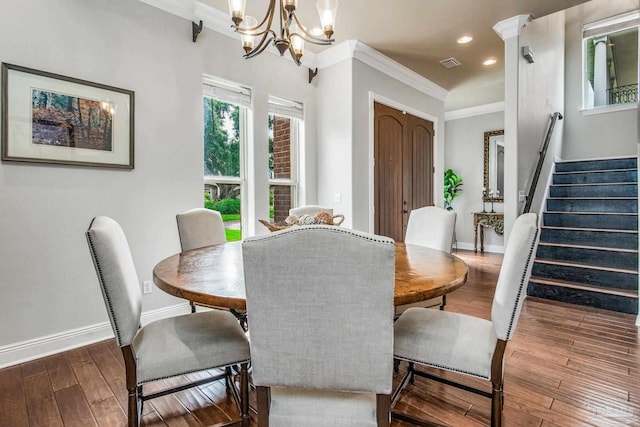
column 541, row 93
column 335, row 148
column 590, row 136
column 47, row 281
column 464, row 146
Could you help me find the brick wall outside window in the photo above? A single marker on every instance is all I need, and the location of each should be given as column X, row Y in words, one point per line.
column 281, row 167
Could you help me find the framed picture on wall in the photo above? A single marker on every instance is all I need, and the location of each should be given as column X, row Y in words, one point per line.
column 49, row 118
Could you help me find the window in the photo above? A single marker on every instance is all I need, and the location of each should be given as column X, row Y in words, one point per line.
column 285, row 122
column 225, row 110
column 610, row 57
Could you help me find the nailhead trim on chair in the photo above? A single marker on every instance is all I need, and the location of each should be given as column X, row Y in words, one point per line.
column 317, row 227
column 471, row 374
column 102, row 286
column 522, row 281
column 239, row 362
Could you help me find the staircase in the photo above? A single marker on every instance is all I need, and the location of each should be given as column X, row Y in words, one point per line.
column 588, row 250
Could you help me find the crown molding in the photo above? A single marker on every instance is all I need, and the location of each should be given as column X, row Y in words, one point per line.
column 218, row 21
column 511, row 27
column 354, row 49
column 477, row 110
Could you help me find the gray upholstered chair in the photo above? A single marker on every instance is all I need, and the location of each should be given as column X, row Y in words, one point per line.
column 168, row 347
column 433, row 227
column 309, row 210
column 320, row 306
column 198, row 228
column 469, row 345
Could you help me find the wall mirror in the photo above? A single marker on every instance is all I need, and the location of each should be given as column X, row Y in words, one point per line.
column 494, row 166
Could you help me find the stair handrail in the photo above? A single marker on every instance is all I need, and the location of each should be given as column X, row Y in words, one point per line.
column 543, row 153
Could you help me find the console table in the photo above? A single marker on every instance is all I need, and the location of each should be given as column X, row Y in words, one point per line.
column 481, row 220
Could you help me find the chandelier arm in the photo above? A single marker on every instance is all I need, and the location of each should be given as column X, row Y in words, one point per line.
column 310, row 37
column 261, row 46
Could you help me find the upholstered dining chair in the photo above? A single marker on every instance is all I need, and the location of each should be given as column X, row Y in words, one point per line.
column 433, row 227
column 320, row 306
column 168, row 347
column 198, row 228
column 309, row 210
column 469, row 345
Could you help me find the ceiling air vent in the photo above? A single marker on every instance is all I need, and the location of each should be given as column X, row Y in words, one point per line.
column 450, row 62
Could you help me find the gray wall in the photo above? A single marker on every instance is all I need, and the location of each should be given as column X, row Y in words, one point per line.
column 464, row 153
column 47, row 281
column 541, row 93
column 589, row 136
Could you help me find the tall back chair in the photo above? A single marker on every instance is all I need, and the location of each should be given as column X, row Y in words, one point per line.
column 168, row 347
column 200, row 227
column 309, row 210
column 433, row 227
column 320, row 306
column 469, row 345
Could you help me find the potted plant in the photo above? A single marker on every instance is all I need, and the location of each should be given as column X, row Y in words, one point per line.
column 452, row 187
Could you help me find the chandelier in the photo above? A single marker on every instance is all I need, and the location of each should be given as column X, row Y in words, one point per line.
column 291, row 35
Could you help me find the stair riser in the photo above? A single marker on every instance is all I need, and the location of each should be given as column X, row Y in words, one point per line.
column 593, row 205
column 595, row 257
column 607, row 222
column 591, row 165
column 595, row 177
column 587, row 276
column 592, row 299
column 611, row 190
column 603, row 239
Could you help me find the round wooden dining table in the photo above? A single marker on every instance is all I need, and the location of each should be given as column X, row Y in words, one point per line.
column 214, row 275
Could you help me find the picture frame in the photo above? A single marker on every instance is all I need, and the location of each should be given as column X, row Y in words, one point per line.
column 50, row 118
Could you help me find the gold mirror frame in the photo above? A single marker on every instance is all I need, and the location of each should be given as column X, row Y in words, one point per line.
column 487, row 136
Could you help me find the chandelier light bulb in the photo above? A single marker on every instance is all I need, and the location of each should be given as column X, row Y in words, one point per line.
column 327, row 11
column 236, row 10
column 248, row 37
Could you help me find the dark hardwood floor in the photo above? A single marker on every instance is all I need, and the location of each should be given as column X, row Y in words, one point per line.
column 566, row 366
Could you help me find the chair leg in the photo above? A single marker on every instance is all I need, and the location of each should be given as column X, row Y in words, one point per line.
column 497, row 402
column 244, row 395
column 133, row 410
column 193, row 306
column 263, row 398
column 383, row 410
column 444, row 302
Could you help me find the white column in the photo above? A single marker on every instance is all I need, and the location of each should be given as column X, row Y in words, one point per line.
column 509, row 30
column 600, row 72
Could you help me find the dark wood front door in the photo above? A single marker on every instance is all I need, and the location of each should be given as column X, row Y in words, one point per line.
column 403, row 172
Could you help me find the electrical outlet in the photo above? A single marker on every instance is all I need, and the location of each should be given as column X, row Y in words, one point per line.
column 337, row 198
column 147, row 286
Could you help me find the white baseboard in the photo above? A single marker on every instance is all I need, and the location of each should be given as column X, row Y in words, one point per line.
column 25, row 351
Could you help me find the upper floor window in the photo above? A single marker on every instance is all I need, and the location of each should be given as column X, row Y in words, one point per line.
column 610, row 57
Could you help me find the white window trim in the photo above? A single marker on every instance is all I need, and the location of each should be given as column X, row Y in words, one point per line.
column 601, row 27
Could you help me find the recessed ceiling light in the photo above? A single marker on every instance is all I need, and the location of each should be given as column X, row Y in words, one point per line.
column 317, row 31
column 465, row 39
column 490, row 61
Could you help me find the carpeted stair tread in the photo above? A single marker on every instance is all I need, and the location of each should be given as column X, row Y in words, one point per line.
column 585, row 287
column 600, row 248
column 589, row 266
